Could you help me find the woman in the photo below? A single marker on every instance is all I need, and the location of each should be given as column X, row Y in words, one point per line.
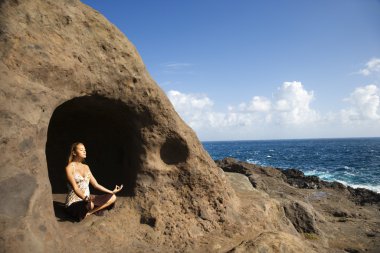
column 79, row 202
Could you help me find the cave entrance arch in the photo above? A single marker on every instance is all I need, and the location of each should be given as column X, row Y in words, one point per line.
column 109, row 129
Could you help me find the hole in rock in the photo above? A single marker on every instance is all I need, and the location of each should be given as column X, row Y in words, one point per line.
column 150, row 221
column 110, row 131
column 174, row 150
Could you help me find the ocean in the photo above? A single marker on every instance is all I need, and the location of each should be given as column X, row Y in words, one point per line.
column 352, row 161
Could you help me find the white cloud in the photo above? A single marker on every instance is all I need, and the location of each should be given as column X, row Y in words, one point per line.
column 292, row 105
column 365, row 105
column 372, row 66
column 288, row 114
column 177, row 68
column 197, row 111
column 177, row 65
column 192, row 107
column 183, row 101
column 257, row 104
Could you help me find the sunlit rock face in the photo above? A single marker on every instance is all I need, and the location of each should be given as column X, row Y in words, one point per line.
column 67, row 74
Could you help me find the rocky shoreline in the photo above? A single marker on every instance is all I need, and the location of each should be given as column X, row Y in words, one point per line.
column 298, row 179
column 348, row 219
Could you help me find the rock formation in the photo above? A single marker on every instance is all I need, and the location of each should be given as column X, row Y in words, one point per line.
column 333, row 217
column 68, row 75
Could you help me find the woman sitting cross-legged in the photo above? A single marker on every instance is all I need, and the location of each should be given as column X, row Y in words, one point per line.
column 79, row 202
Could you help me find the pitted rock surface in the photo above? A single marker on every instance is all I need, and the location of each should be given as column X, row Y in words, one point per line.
column 67, row 74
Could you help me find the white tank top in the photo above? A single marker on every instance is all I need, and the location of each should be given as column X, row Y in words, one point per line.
column 83, row 184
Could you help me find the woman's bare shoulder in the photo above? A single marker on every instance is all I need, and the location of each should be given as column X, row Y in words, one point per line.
column 69, row 167
column 87, row 167
column 70, row 164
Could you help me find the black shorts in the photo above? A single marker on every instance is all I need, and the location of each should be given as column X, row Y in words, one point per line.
column 79, row 209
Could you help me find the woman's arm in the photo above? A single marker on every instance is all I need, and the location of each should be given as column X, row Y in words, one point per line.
column 70, row 178
column 95, row 183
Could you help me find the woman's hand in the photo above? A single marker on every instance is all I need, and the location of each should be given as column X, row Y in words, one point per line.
column 89, row 198
column 117, row 188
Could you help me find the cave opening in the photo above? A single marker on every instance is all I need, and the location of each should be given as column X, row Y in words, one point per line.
column 110, row 131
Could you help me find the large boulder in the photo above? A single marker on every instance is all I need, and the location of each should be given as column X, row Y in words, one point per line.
column 67, row 74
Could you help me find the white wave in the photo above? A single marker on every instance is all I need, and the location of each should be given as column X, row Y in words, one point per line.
column 269, row 156
column 311, row 172
column 375, row 188
column 251, row 161
column 321, row 174
column 329, row 177
column 326, row 176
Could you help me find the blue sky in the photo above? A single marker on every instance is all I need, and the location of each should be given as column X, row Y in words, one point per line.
column 261, row 69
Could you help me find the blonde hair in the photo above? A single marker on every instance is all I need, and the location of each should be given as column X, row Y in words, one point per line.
column 73, row 149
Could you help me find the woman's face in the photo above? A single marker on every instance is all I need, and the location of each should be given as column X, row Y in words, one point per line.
column 81, row 151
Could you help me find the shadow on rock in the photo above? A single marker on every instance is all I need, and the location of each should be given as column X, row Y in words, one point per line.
column 60, row 212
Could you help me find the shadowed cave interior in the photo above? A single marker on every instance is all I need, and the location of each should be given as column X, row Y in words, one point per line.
column 109, row 129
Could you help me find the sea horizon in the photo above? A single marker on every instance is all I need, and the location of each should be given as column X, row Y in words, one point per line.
column 290, row 139
column 353, row 161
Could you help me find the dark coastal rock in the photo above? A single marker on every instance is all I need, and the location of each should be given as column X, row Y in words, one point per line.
column 298, row 179
column 293, row 173
column 334, row 185
column 360, row 196
column 232, row 165
column 363, row 196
